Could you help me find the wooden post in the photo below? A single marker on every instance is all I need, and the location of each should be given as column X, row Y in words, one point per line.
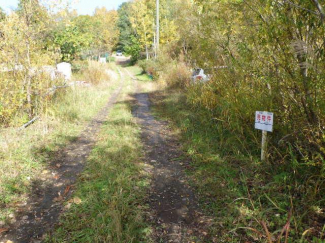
column 264, row 146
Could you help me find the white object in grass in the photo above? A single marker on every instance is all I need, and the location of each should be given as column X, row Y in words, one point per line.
column 65, row 69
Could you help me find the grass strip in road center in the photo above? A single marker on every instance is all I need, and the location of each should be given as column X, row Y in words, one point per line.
column 108, row 204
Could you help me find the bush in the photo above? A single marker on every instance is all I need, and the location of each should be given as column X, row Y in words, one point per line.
column 174, row 73
column 14, row 107
column 79, row 65
column 150, row 67
column 295, row 169
column 178, row 76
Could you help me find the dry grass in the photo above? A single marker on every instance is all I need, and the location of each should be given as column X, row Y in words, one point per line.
column 25, row 153
column 178, row 75
column 96, row 72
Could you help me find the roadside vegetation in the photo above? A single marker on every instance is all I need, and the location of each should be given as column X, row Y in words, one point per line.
column 33, row 39
column 262, row 55
column 25, row 152
column 249, row 200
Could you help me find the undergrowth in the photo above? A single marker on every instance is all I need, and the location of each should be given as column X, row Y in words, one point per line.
column 96, row 72
column 251, row 201
column 280, row 199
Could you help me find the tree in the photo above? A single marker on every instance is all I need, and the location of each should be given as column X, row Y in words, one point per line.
column 168, row 29
column 107, row 33
column 142, row 20
column 71, row 41
column 141, row 15
column 21, row 55
column 125, row 27
column 33, row 18
column 2, row 14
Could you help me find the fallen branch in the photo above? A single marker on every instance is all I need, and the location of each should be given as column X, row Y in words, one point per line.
column 320, row 9
column 29, row 123
column 53, row 89
column 267, row 232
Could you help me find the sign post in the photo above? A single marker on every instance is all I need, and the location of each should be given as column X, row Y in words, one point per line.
column 264, row 122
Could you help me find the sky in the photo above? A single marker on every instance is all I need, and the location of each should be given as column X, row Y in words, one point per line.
column 83, row 6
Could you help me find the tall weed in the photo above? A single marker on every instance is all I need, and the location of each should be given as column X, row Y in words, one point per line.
column 293, row 177
column 24, row 153
column 96, row 72
column 14, row 107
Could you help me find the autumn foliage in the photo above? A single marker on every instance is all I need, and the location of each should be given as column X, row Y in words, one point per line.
column 33, row 39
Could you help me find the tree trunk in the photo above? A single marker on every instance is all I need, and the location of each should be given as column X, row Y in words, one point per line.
column 28, row 82
column 320, row 9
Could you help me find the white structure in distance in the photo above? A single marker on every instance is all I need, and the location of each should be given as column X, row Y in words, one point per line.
column 64, row 68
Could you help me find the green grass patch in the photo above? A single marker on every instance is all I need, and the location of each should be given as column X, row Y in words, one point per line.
column 139, row 74
column 111, row 59
column 112, row 189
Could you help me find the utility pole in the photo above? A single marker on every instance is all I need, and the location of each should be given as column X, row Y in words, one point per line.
column 157, row 27
column 154, row 44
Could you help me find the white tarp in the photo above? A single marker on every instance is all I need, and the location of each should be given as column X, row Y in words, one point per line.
column 65, row 69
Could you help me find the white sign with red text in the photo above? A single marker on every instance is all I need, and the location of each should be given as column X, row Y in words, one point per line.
column 264, row 121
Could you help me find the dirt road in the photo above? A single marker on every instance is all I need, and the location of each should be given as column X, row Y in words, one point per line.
column 174, row 208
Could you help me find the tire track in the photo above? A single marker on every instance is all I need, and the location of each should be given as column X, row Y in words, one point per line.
column 175, row 212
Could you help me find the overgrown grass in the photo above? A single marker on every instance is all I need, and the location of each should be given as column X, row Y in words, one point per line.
column 250, row 201
column 96, row 72
column 112, row 189
column 24, row 153
column 216, row 120
column 166, row 71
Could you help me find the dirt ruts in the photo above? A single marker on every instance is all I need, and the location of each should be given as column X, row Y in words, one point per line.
column 43, row 209
column 174, row 207
column 174, row 210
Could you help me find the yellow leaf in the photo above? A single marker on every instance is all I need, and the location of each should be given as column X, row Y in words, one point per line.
column 77, row 200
